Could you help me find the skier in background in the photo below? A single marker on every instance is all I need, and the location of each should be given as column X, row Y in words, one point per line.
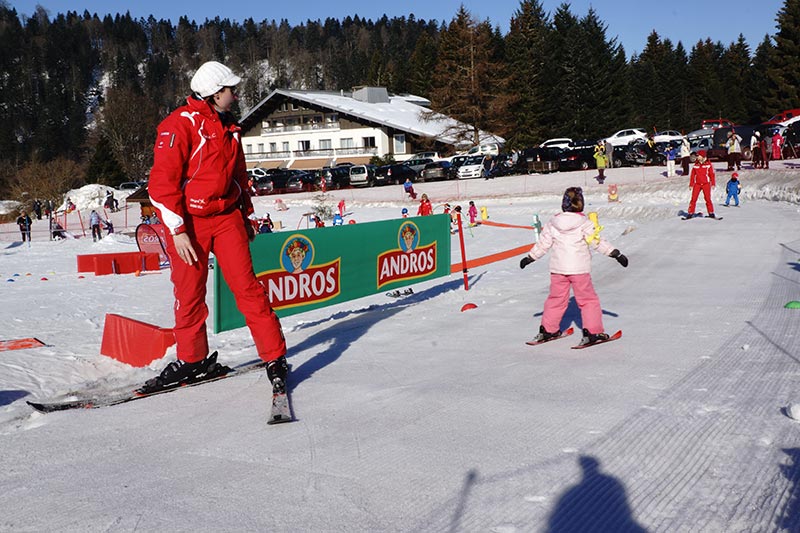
column 702, row 179
column 94, row 222
column 24, row 222
column 473, row 213
column 568, row 236
column 733, row 188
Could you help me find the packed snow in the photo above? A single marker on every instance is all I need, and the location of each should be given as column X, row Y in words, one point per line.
column 411, row 415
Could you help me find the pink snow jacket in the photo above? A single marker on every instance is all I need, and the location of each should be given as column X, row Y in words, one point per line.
column 566, row 235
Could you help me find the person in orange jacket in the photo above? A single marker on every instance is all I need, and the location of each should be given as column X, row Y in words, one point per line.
column 198, row 185
column 702, row 179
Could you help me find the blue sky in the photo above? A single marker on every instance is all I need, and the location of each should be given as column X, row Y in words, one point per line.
column 630, row 21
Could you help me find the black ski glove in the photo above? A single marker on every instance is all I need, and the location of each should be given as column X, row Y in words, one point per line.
column 525, row 261
column 621, row 259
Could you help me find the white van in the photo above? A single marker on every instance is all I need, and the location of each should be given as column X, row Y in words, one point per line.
column 362, row 175
column 485, row 149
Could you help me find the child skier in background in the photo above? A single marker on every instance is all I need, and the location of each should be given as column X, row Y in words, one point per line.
column 409, row 188
column 473, row 213
column 733, row 188
column 568, row 235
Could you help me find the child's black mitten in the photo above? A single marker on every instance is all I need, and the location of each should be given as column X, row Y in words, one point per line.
column 621, row 259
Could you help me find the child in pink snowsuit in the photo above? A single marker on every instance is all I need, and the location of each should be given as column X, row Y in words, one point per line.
column 473, row 213
column 570, row 266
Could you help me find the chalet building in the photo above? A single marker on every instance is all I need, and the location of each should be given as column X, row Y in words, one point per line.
column 314, row 129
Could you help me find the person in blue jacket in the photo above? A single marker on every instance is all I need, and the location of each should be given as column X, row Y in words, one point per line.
column 733, row 188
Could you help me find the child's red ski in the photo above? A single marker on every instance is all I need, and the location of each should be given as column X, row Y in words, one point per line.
column 567, row 333
column 615, row 336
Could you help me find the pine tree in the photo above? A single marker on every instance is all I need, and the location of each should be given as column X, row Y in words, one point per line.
column 526, row 66
column 783, row 74
column 758, row 109
column 465, row 77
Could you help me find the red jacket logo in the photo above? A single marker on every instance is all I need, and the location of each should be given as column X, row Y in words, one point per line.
column 299, row 281
column 409, row 261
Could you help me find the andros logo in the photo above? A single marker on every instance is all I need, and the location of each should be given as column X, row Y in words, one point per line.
column 299, row 281
column 410, row 260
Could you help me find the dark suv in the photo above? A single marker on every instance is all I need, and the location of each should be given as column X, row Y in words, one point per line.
column 396, row 173
column 337, row 177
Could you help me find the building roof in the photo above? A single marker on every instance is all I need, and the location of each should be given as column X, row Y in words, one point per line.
column 374, row 104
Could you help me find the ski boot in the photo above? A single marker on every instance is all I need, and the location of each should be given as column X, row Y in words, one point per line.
column 179, row 372
column 277, row 371
column 545, row 336
column 592, row 338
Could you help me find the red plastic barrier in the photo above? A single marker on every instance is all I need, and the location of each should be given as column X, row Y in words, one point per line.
column 135, row 343
column 118, row 263
column 20, row 344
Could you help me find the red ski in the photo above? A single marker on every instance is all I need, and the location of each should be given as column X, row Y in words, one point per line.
column 615, row 336
column 567, row 333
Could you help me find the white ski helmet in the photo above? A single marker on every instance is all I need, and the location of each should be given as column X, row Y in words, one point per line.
column 211, row 77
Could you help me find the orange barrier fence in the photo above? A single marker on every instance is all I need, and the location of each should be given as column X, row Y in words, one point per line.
column 501, row 225
column 485, row 260
column 499, row 256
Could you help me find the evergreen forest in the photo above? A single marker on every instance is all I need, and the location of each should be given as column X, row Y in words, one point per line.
column 82, row 95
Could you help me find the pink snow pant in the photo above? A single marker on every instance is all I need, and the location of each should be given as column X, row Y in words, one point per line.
column 558, row 300
column 225, row 235
column 706, row 188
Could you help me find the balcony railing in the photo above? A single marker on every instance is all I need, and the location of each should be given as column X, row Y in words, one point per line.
column 300, row 127
column 332, row 153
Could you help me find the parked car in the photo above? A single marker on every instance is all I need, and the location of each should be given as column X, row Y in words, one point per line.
column 263, row 185
column 426, row 155
column 720, row 152
column 455, row 162
column 668, row 136
column 714, row 123
column 626, row 136
column 629, row 155
column 502, row 166
column 337, row 177
column 395, row 173
column 417, row 164
column 258, row 172
column 131, row 185
column 471, row 168
column 783, row 117
column 561, row 142
column 362, row 175
column 539, row 160
column 635, row 155
column 291, row 180
column 484, row 149
column 577, row 158
column 435, row 170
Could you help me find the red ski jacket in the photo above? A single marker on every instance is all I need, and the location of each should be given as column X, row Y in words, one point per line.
column 702, row 174
column 198, row 167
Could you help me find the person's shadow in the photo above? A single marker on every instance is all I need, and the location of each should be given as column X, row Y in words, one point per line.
column 598, row 503
column 573, row 315
column 790, row 518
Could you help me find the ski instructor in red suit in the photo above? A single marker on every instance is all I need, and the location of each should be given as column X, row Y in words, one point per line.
column 702, row 179
column 198, row 184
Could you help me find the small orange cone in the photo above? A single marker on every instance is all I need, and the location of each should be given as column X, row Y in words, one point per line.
column 467, row 307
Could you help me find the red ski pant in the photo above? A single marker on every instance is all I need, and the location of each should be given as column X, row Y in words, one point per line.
column 556, row 304
column 226, row 237
column 706, row 188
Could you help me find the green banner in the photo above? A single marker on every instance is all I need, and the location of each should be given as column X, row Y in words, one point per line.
column 308, row 269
